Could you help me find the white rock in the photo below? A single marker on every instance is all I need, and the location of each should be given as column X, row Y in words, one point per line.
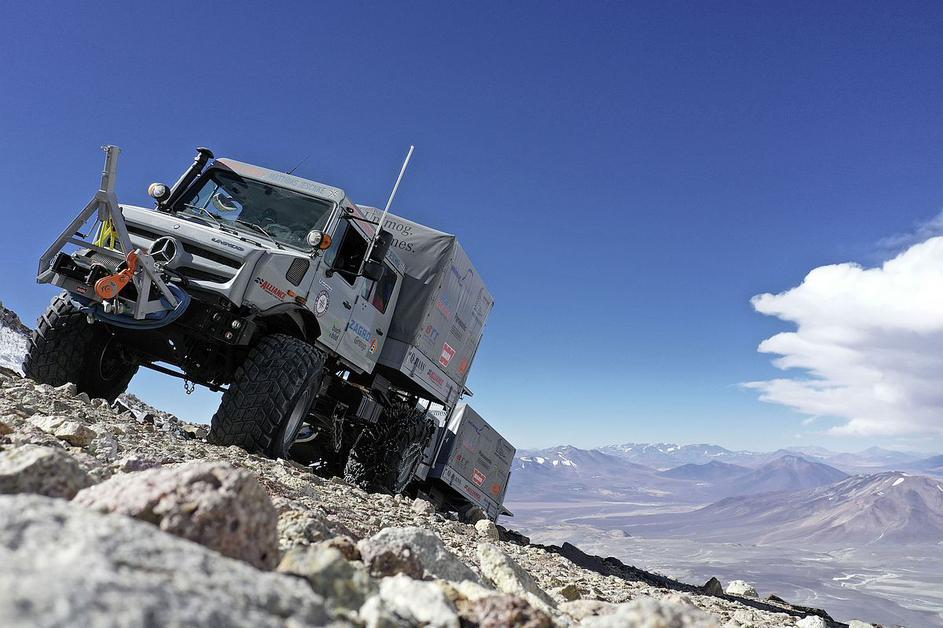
column 413, row 601
column 423, row 507
column 68, row 388
column 510, row 577
column 394, row 544
column 43, row 470
column 741, row 588
column 64, row 565
column 645, row 612
column 487, row 530
column 811, row 621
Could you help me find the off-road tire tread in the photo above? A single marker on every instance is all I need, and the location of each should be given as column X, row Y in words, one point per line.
column 376, row 458
column 263, row 392
column 60, row 348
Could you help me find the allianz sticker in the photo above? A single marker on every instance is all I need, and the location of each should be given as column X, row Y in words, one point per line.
column 321, row 302
column 271, row 288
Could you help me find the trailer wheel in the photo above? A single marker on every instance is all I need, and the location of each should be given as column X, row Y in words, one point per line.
column 66, row 348
column 385, row 455
column 271, row 395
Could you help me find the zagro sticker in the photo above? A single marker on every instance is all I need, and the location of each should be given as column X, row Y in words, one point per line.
column 478, row 477
column 447, row 353
column 321, row 302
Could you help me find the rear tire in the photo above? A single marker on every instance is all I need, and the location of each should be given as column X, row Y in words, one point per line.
column 271, row 395
column 386, row 454
column 66, row 348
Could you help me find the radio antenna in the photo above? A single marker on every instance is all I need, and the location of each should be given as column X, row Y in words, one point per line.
column 389, row 202
column 298, row 164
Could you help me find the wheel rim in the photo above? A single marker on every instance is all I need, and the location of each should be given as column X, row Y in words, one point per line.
column 293, row 424
column 110, row 362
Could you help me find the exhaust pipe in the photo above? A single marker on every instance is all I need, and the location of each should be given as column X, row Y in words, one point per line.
column 203, row 155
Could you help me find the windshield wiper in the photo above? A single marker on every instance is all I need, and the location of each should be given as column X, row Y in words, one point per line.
column 252, row 225
column 213, row 217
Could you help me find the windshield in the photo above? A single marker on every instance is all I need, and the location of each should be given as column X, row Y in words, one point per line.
column 237, row 202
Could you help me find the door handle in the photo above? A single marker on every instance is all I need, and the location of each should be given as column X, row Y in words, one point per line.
column 347, row 305
column 379, row 332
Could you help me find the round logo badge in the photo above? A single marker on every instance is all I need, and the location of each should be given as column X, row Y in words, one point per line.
column 321, row 303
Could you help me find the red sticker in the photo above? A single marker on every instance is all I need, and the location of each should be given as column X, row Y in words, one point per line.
column 478, row 477
column 447, row 353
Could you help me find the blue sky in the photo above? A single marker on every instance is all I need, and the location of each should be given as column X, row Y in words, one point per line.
column 624, row 175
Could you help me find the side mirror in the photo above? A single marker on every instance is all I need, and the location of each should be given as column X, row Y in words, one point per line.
column 380, row 248
column 158, row 191
column 318, row 240
column 373, row 270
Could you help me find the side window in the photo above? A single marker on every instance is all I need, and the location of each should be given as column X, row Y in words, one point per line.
column 346, row 256
column 383, row 289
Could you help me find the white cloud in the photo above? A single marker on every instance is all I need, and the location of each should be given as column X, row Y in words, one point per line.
column 922, row 231
column 869, row 343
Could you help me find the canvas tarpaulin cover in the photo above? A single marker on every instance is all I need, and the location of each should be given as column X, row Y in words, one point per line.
column 443, row 303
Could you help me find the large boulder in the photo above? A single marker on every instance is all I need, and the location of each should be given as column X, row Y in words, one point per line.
column 415, row 552
column 487, row 530
column 64, row 565
column 343, row 583
column 741, row 588
column 509, row 577
column 64, row 428
column 496, row 611
column 645, row 612
column 214, row 504
column 42, row 470
column 408, row 602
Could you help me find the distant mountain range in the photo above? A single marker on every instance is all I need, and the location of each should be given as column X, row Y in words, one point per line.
column 779, row 496
column 664, row 456
column 883, row 508
column 569, row 474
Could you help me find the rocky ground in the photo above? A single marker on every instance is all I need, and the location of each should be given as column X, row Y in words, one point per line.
column 124, row 516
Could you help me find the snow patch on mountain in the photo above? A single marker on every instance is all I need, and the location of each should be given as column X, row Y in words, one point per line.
column 14, row 340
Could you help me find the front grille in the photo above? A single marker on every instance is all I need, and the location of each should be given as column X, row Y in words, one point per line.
column 191, row 248
column 296, row 272
column 201, row 275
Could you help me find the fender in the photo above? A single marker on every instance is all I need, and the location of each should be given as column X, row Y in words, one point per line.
column 292, row 319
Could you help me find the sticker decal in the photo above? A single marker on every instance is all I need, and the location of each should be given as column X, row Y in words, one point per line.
column 373, row 346
column 478, row 477
column 447, row 353
column 271, row 288
column 321, row 302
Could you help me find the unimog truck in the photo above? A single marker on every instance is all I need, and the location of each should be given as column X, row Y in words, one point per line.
column 340, row 336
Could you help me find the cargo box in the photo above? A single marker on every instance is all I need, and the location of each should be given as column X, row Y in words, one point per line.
column 441, row 311
column 475, row 461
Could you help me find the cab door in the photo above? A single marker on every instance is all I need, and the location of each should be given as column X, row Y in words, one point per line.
column 335, row 296
column 370, row 318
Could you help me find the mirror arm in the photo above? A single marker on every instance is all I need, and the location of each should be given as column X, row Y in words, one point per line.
column 359, row 219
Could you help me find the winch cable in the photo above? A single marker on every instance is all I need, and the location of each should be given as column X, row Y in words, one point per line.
column 154, row 320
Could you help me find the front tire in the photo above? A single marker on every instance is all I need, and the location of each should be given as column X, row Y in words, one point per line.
column 66, row 348
column 271, row 395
